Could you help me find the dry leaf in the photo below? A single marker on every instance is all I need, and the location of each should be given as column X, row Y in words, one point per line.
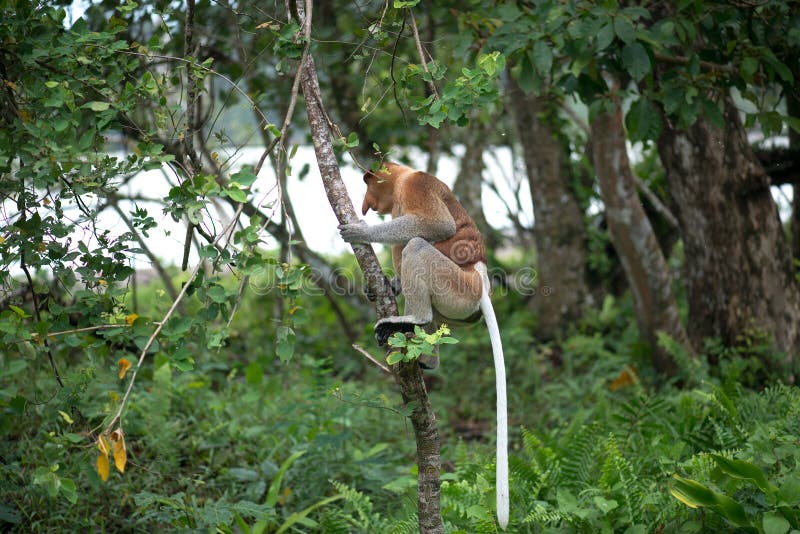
column 626, row 378
column 120, row 454
column 130, row 319
column 102, row 444
column 124, row 365
column 102, row 466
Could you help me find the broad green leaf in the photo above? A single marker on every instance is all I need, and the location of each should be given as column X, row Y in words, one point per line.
column 636, row 61
column 542, row 58
column 394, row 357
column 694, row 494
column 624, row 29
column 284, row 348
column 775, row 524
column 642, row 121
column 746, row 471
column 244, row 177
column 604, row 37
column 217, row 294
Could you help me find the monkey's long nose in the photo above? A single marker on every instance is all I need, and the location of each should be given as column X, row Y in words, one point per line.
column 364, row 207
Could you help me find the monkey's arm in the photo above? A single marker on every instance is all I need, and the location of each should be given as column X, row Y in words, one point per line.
column 400, row 230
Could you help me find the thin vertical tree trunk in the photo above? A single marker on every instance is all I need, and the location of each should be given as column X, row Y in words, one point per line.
column 468, row 184
column 407, row 374
column 793, row 105
column 558, row 228
column 738, row 264
column 633, row 238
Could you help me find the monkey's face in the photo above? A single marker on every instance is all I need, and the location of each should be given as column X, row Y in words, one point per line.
column 380, row 194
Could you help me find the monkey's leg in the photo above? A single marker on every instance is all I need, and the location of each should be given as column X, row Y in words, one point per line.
column 431, row 280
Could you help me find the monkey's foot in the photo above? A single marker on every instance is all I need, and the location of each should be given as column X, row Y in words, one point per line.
column 386, row 327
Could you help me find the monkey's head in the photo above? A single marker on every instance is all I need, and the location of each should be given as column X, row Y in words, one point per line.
column 380, row 191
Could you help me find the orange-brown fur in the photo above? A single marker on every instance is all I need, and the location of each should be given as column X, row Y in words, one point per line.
column 400, row 190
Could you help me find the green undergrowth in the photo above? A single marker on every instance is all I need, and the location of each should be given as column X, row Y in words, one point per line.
column 242, row 442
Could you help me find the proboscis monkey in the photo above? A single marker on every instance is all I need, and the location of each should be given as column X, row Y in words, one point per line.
column 440, row 259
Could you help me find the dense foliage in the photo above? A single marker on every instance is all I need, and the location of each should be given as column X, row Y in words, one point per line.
column 244, row 406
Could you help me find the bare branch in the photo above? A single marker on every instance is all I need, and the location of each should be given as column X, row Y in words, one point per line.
column 369, row 356
column 421, row 53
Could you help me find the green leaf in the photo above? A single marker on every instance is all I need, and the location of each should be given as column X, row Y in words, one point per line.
column 694, row 494
column 236, row 194
column 624, row 29
column 542, row 57
column 244, row 177
column 775, row 524
column 97, row 106
column 86, row 140
column 745, row 471
column 254, row 374
column 217, row 294
column 275, row 485
column 604, row 37
column 401, row 4
column 642, row 121
column 748, row 68
column 636, row 61
column 395, row 357
column 19, row 311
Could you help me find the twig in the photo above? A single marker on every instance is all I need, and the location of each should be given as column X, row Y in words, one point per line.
column 707, row 65
column 391, row 70
column 38, row 314
column 369, row 356
column 113, row 202
column 292, row 101
column 659, row 206
column 164, row 321
column 422, row 54
column 84, row 329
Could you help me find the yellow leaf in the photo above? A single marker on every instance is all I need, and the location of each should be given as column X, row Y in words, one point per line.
column 102, row 444
column 130, row 319
column 120, row 454
column 102, row 466
column 102, row 282
column 124, row 365
column 681, row 497
column 65, row 416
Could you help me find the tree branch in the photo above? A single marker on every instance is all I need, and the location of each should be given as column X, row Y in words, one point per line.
column 407, row 375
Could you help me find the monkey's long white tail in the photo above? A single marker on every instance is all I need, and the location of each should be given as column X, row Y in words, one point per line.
column 502, row 416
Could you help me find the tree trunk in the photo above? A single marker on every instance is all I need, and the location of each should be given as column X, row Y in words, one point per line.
column 793, row 105
column 738, row 266
column 558, row 230
column 634, row 239
column 468, row 184
column 407, row 374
